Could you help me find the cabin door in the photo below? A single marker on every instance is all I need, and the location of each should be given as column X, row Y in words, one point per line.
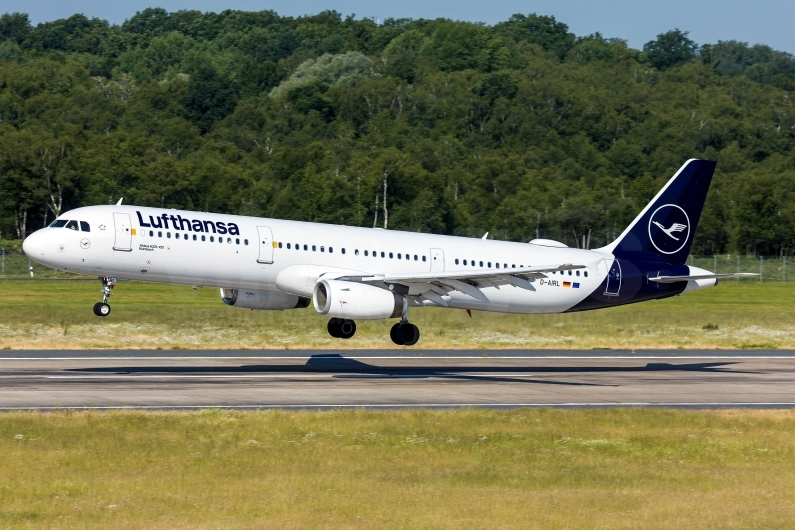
column 265, row 244
column 123, row 226
column 613, row 277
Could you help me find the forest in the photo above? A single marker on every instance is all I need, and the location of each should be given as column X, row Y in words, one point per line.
column 521, row 129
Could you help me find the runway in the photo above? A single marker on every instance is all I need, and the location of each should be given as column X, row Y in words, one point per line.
column 293, row 379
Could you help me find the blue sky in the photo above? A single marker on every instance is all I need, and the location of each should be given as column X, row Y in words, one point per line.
column 638, row 21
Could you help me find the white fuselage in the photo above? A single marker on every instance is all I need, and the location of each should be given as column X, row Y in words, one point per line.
column 289, row 256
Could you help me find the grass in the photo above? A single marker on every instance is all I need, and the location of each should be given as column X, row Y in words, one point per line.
column 57, row 314
column 418, row 469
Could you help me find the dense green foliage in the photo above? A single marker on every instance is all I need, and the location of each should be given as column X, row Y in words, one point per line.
column 521, row 129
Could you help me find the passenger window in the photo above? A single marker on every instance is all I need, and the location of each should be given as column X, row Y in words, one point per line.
column 84, row 226
column 481, row 263
column 365, row 252
column 212, row 239
column 578, row 273
column 456, row 261
column 408, row 257
column 151, row 233
column 159, row 234
column 513, row 266
column 245, row 241
column 204, row 238
column 194, row 237
column 585, row 273
column 390, row 255
column 229, row 240
column 489, row 264
column 72, row 225
column 497, row 265
column 569, row 273
column 306, row 247
column 168, row 235
column 465, row 262
column 415, row 257
column 423, row 258
column 314, row 248
column 330, row 250
column 383, row 255
column 322, row 249
column 280, row 244
column 237, row 241
column 398, row 255
column 58, row 224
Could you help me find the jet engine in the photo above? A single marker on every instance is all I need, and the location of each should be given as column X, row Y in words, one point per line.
column 350, row 300
column 265, row 300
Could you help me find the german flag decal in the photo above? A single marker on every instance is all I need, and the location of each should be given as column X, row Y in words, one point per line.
column 566, row 284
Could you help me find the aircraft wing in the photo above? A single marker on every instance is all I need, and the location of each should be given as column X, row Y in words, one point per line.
column 432, row 286
column 674, row 279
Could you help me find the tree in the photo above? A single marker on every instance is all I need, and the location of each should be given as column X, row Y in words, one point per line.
column 670, row 49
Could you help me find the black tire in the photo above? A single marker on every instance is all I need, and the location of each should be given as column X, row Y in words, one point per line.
column 410, row 334
column 347, row 329
column 101, row 309
column 334, row 328
column 395, row 334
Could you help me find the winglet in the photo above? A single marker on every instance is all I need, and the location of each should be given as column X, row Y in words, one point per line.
column 119, row 203
column 485, row 235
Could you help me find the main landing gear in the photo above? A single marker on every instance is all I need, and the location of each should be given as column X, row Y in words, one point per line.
column 404, row 333
column 341, row 329
column 102, row 309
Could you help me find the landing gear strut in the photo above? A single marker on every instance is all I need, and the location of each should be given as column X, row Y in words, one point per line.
column 341, row 329
column 102, row 309
column 404, row 333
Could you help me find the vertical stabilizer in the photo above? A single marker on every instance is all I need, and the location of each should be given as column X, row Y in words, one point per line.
column 664, row 230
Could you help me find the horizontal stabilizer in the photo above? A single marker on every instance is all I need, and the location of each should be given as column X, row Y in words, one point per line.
column 675, row 279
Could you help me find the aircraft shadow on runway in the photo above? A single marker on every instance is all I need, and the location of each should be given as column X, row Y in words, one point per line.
column 342, row 367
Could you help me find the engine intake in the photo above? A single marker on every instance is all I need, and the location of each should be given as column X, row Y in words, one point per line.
column 263, row 300
column 342, row 299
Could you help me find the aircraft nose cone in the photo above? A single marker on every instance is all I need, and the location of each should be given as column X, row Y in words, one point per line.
column 33, row 246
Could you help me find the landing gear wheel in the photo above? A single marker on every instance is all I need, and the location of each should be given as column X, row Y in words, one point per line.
column 101, row 309
column 333, row 327
column 347, row 329
column 395, row 334
column 404, row 334
column 410, row 334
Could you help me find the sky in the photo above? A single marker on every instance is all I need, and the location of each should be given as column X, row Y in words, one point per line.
column 637, row 21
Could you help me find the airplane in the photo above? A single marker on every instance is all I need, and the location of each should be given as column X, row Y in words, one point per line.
column 353, row 273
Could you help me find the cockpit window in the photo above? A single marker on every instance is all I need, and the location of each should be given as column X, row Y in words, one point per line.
column 58, row 223
column 84, row 226
column 72, row 225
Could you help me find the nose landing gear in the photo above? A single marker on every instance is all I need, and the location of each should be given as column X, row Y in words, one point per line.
column 341, row 329
column 102, row 309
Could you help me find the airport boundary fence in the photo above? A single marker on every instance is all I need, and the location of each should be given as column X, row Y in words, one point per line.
column 16, row 265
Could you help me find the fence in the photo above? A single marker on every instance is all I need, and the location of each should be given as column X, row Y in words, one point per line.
column 770, row 268
column 17, row 265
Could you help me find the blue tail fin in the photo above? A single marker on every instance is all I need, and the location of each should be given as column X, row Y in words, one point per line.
column 664, row 230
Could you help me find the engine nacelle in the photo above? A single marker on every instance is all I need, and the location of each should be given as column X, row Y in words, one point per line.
column 341, row 299
column 265, row 300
